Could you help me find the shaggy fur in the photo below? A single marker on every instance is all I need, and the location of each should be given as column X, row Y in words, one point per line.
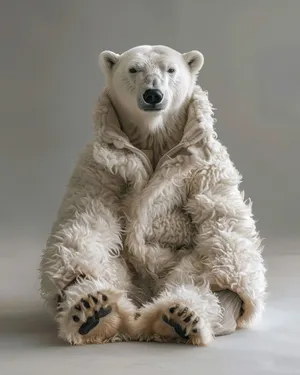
column 153, row 219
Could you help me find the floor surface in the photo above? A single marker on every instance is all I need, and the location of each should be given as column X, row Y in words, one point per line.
column 28, row 342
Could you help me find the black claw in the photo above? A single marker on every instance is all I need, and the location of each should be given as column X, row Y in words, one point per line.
column 93, row 298
column 188, row 319
column 104, row 298
column 196, row 321
column 183, row 311
column 75, row 318
column 195, row 330
column 77, row 307
column 85, row 303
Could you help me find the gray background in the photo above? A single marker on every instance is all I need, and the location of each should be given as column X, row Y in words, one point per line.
column 50, row 81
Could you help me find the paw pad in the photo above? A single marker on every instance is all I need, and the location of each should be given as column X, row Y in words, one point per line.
column 90, row 310
column 85, row 303
column 182, row 320
column 173, row 309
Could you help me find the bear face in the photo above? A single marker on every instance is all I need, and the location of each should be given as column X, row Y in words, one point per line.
column 150, row 80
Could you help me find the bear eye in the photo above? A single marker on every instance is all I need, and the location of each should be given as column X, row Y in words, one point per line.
column 171, row 70
column 132, row 70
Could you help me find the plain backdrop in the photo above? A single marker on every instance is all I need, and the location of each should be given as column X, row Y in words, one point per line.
column 50, row 81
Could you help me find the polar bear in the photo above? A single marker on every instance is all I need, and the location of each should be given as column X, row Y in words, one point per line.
column 153, row 239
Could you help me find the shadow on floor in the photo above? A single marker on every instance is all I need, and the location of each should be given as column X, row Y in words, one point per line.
column 30, row 328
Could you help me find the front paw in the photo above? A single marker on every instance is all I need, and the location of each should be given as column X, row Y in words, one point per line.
column 89, row 311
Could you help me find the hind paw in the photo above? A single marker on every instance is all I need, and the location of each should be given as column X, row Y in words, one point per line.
column 173, row 322
column 183, row 320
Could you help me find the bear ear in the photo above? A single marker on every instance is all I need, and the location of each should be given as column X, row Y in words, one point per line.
column 107, row 60
column 195, row 61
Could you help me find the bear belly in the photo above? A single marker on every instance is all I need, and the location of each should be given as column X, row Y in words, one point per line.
column 174, row 230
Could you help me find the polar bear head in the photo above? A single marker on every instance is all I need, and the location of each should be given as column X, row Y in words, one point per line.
column 150, row 80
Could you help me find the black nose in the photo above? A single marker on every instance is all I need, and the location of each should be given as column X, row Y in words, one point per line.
column 153, row 96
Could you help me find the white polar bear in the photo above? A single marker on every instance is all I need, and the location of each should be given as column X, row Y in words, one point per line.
column 153, row 237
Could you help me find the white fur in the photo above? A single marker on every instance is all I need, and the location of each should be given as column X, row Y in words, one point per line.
column 179, row 218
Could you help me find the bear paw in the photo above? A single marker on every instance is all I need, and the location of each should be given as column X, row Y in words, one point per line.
column 96, row 318
column 173, row 322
